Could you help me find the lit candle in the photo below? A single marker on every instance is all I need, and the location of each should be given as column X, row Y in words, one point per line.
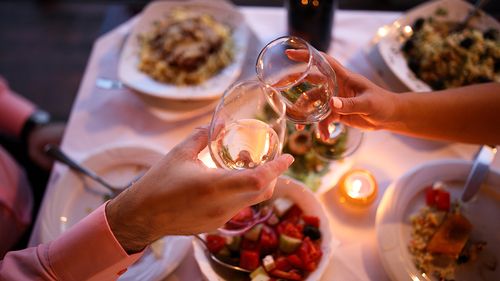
column 358, row 187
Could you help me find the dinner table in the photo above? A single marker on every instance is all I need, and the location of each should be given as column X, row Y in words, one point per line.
column 102, row 118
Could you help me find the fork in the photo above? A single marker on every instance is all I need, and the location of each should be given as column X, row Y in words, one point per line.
column 56, row 153
column 472, row 13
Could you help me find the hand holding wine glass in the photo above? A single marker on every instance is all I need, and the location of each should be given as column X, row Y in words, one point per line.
column 360, row 103
column 307, row 83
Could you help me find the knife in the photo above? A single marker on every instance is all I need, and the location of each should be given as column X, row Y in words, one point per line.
column 479, row 171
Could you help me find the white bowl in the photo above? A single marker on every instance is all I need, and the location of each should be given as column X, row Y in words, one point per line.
column 302, row 196
column 407, row 195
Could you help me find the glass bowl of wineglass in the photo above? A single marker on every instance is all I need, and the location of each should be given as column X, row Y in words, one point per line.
column 307, row 86
column 247, row 130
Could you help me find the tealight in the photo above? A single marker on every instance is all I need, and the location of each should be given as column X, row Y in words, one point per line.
column 358, row 187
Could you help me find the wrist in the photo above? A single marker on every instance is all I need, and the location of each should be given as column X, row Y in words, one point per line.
column 128, row 230
column 36, row 120
column 397, row 102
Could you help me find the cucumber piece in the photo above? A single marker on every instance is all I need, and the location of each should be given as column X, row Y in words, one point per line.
column 289, row 244
column 233, row 243
column 261, row 277
column 254, row 233
column 258, row 271
column 224, row 252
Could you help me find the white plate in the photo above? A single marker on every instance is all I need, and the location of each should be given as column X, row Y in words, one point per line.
column 74, row 197
column 304, row 197
column 407, row 195
column 175, row 110
column 211, row 88
column 391, row 42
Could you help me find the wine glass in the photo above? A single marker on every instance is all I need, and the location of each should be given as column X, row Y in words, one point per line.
column 247, row 130
column 307, row 87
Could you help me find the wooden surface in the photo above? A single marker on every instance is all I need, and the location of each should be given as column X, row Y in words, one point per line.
column 44, row 45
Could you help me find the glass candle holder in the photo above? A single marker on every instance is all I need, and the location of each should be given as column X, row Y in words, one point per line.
column 358, row 187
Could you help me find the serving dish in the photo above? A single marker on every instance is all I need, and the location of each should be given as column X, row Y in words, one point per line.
column 307, row 201
column 223, row 12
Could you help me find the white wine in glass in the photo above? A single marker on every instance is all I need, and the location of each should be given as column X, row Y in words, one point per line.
column 247, row 130
column 246, row 144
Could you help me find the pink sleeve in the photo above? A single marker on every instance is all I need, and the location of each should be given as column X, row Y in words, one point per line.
column 14, row 110
column 87, row 251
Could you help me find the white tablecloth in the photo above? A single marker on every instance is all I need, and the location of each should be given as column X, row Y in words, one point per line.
column 102, row 118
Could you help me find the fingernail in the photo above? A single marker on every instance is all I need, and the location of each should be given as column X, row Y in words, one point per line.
column 289, row 159
column 337, row 103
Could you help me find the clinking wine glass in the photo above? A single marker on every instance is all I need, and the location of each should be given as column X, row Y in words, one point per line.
column 247, row 130
column 307, row 87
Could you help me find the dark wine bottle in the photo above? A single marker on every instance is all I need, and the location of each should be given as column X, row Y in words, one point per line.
column 312, row 21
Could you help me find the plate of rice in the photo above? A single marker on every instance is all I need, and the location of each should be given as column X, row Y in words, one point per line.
column 425, row 233
column 425, row 51
column 187, row 50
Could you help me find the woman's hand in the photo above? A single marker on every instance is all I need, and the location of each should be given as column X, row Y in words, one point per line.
column 180, row 195
column 360, row 103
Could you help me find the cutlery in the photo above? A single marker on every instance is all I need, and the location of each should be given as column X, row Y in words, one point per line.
column 56, row 153
column 108, row 83
column 477, row 6
column 479, row 171
column 217, row 260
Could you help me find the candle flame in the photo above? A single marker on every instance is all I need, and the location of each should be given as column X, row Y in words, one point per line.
column 355, row 188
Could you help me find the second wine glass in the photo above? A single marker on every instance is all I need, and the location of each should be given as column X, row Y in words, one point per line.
column 247, row 130
column 306, row 86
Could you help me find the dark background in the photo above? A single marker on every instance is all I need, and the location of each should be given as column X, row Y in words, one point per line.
column 44, row 45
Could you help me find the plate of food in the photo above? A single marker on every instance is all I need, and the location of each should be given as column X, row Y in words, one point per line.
column 295, row 243
column 426, row 51
column 73, row 197
column 188, row 50
column 424, row 232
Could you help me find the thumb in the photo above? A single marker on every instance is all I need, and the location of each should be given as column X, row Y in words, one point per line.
column 351, row 105
column 297, row 55
column 193, row 144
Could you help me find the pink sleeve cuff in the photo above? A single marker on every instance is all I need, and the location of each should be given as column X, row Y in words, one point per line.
column 14, row 110
column 89, row 250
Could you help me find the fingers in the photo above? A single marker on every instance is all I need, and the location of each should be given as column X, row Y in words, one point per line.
column 260, row 177
column 324, row 124
column 195, row 143
column 271, row 170
column 297, row 55
column 303, row 55
column 353, row 105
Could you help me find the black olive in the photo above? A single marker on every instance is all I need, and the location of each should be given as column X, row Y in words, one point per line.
column 467, row 42
column 408, row 45
column 417, row 25
column 312, row 232
column 491, row 34
column 438, row 85
column 483, row 79
column 414, row 65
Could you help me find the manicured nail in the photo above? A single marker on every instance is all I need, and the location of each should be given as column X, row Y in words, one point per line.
column 337, row 103
column 289, row 158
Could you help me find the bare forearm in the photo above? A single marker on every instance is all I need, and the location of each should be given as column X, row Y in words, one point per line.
column 469, row 114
